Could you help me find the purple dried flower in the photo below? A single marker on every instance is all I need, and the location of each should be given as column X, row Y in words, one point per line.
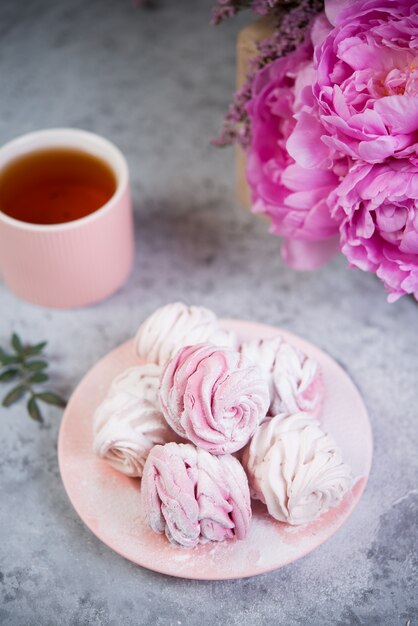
column 291, row 31
column 228, row 8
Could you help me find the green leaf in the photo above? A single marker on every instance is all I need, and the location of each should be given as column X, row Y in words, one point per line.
column 35, row 366
column 32, row 350
column 33, row 410
column 16, row 343
column 14, row 395
column 7, row 359
column 38, row 377
column 8, row 375
column 51, row 398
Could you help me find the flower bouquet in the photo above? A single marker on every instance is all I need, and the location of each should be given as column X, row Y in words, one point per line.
column 328, row 119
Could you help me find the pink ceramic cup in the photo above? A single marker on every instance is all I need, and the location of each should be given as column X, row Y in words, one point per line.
column 75, row 263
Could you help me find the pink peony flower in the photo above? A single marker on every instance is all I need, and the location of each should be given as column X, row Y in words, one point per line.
column 294, row 195
column 367, row 81
column 378, row 205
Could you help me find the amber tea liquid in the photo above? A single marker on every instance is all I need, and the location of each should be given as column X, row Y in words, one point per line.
column 55, row 185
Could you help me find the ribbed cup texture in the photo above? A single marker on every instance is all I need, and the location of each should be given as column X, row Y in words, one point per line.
column 73, row 266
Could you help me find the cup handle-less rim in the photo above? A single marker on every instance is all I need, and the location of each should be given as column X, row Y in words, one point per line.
column 67, row 138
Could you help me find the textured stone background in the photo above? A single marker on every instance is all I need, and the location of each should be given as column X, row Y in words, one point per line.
column 157, row 83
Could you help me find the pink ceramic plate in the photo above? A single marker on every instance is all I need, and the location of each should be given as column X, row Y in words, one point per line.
column 109, row 502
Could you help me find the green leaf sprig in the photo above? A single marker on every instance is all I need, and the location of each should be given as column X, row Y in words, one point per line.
column 27, row 366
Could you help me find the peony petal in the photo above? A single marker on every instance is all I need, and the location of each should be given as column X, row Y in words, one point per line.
column 409, row 243
column 333, row 8
column 305, row 145
column 303, row 86
column 321, row 28
column 369, row 123
column 365, row 225
column 399, row 113
column 305, row 200
column 360, row 55
column 391, row 219
column 377, row 150
column 340, row 104
column 299, row 178
column 344, row 147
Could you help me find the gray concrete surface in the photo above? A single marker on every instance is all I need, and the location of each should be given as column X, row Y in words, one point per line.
column 157, row 83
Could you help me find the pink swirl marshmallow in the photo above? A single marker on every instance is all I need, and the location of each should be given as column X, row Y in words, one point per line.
column 296, row 469
column 194, row 497
column 129, row 421
column 295, row 379
column 214, row 397
column 176, row 325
